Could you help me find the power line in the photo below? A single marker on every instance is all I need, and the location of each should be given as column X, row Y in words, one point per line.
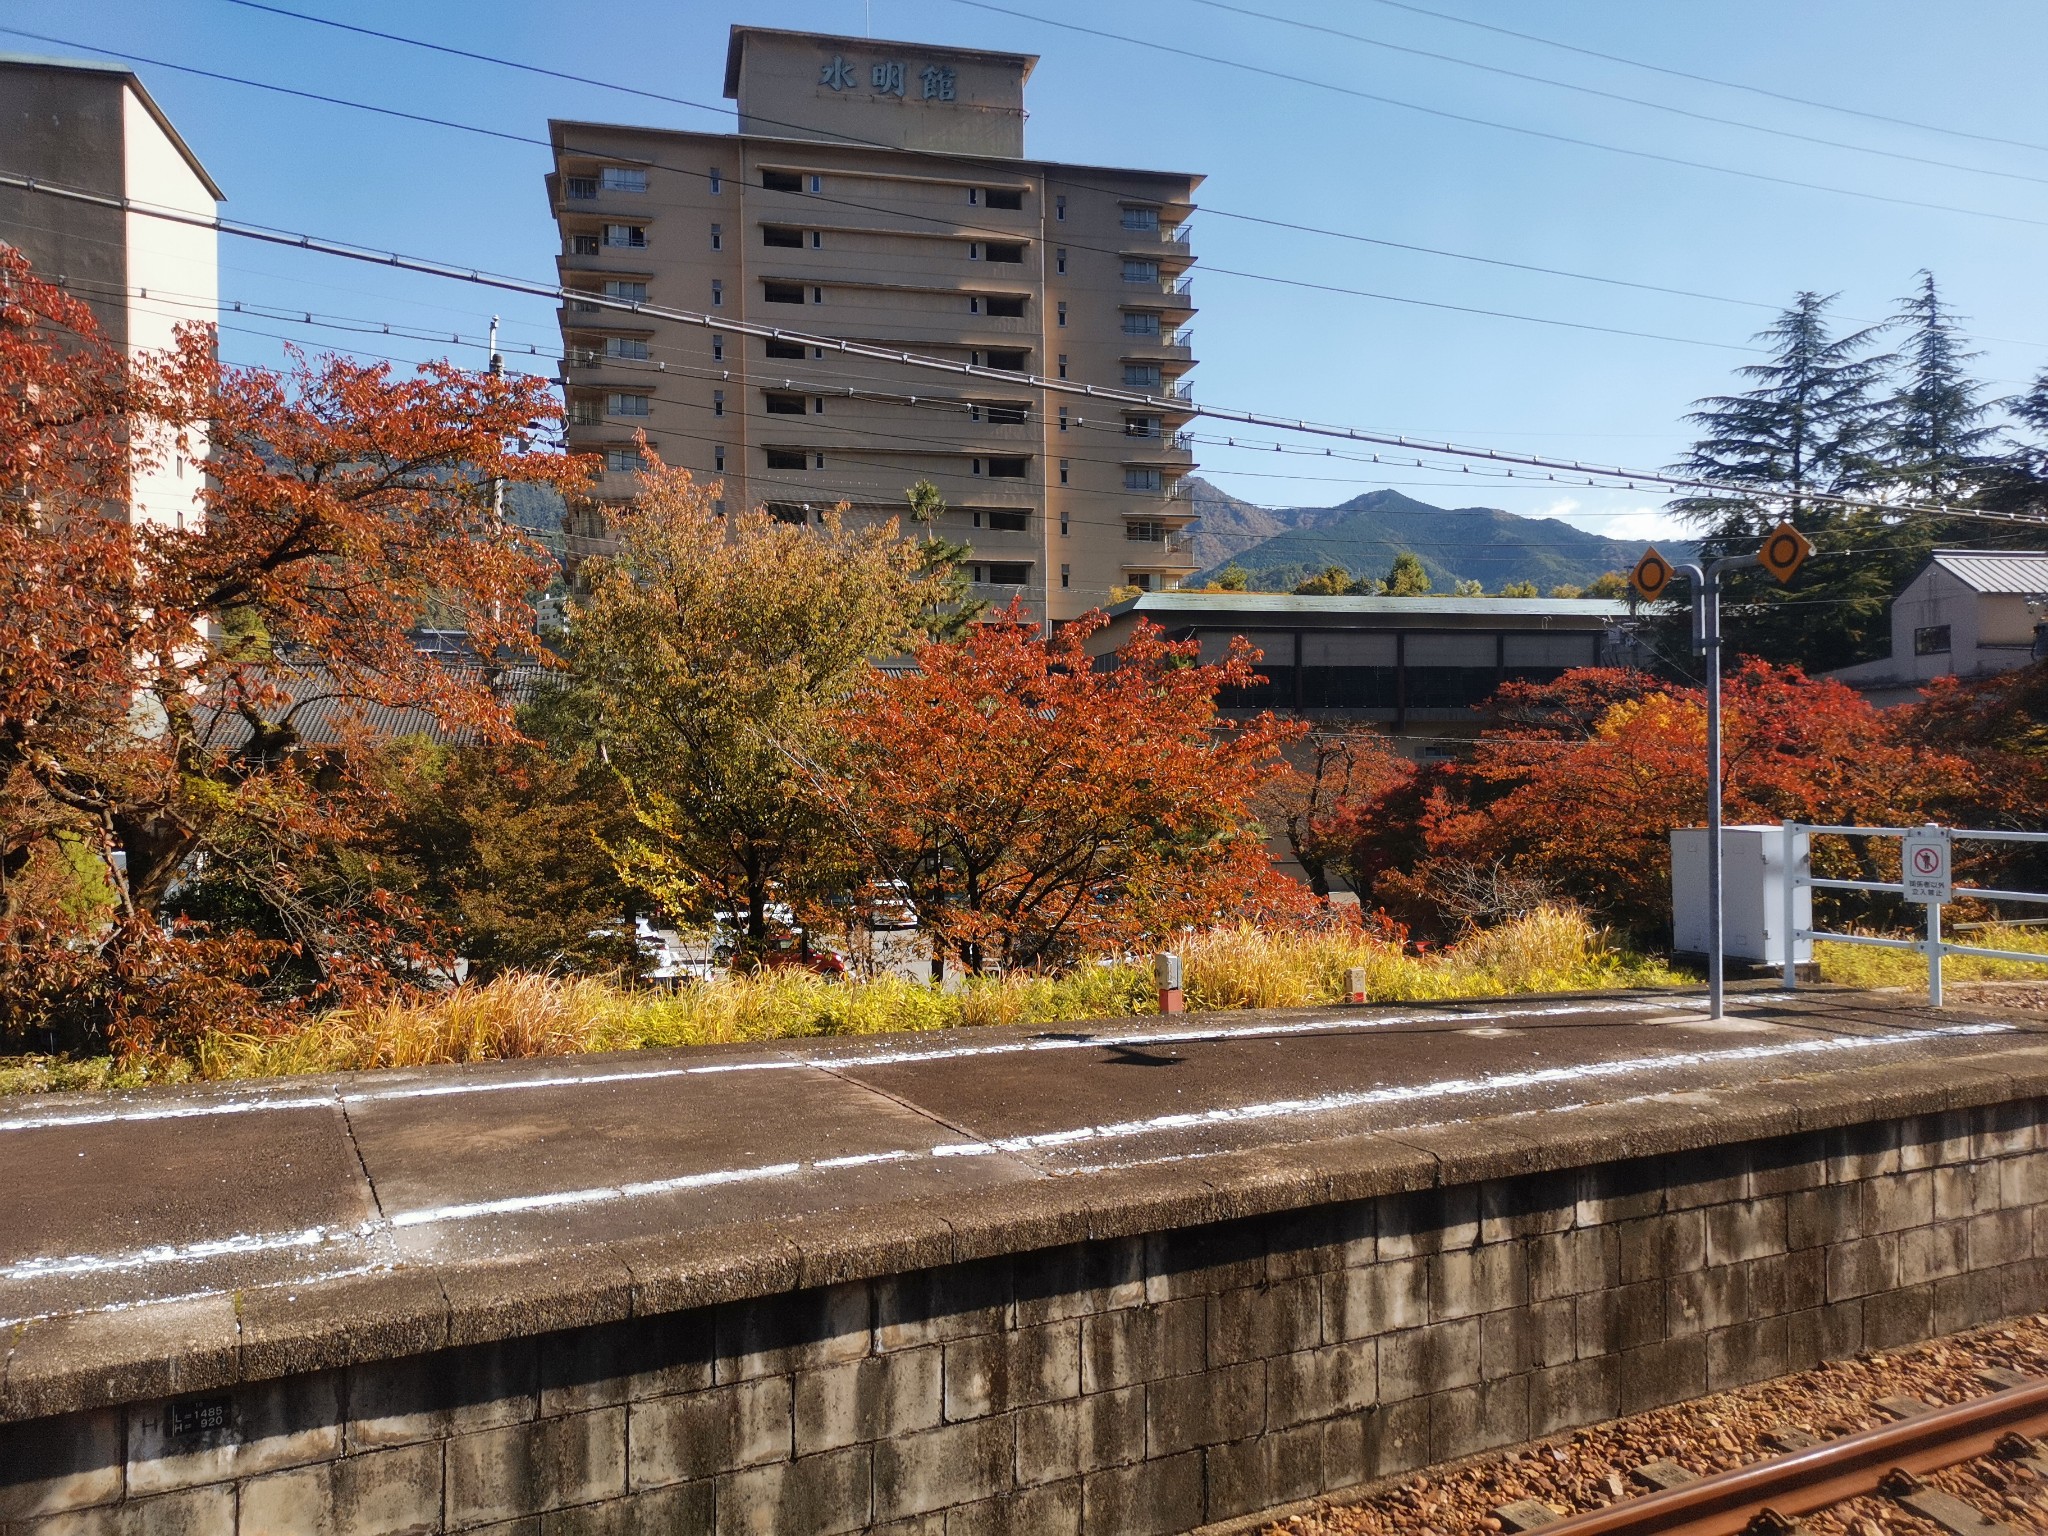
column 1731, row 85
column 517, row 138
column 1483, row 122
column 1634, row 101
column 854, row 348
column 515, row 64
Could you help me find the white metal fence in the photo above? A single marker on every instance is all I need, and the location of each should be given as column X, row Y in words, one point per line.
column 1933, row 889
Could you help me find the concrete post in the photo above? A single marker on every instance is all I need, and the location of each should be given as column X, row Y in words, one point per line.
column 1166, row 975
column 1354, row 984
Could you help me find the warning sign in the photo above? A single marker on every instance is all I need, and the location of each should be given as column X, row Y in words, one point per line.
column 1651, row 576
column 1785, row 550
column 1925, row 865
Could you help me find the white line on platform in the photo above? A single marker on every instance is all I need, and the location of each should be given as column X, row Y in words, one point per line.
column 851, row 1058
column 82, row 1264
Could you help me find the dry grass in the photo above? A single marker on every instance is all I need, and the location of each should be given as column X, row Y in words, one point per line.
column 532, row 1015
column 1857, row 965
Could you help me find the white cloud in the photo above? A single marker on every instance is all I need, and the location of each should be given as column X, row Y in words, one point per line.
column 1617, row 520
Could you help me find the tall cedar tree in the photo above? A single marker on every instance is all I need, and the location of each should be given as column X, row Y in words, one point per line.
column 1041, row 804
column 144, row 707
column 2017, row 480
column 1812, row 423
column 706, row 662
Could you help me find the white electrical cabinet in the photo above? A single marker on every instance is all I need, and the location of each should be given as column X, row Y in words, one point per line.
column 1753, row 879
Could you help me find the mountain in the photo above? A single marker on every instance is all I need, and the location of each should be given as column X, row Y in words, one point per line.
column 1483, row 544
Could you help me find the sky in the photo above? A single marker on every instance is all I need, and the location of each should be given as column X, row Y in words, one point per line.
column 1712, row 185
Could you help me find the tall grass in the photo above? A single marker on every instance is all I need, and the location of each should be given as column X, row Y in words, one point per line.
column 533, row 1015
column 1858, row 965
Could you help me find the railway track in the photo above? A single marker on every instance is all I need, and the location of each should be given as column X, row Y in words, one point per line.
column 1891, row 1462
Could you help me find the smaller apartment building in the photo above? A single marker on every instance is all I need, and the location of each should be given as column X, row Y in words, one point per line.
column 878, row 191
column 1415, row 665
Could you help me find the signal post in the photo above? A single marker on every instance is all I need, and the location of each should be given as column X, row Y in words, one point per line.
column 1784, row 550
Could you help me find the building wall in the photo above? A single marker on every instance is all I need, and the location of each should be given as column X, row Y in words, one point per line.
column 1128, row 1384
column 908, row 95
column 1988, row 631
column 894, row 250
column 68, row 127
column 180, row 263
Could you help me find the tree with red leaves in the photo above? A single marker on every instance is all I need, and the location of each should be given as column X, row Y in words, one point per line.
column 1041, row 804
column 148, row 672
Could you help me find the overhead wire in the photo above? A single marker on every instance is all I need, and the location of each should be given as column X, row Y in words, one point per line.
column 1267, row 72
column 852, row 347
column 1730, row 85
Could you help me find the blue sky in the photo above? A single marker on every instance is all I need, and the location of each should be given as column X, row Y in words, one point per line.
column 1271, row 147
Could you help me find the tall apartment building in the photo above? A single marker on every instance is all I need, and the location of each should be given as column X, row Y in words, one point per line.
column 879, row 191
column 94, row 128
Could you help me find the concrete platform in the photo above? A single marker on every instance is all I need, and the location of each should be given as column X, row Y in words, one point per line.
column 778, row 1156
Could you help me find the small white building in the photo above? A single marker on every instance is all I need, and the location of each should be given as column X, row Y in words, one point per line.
column 92, row 127
column 1968, row 613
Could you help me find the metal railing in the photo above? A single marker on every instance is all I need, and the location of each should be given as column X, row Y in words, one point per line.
column 1799, row 874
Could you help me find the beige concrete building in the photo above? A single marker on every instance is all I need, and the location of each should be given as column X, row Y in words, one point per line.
column 880, row 191
column 94, row 128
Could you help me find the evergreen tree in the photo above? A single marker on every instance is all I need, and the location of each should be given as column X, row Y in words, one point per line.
column 942, row 565
column 1406, row 577
column 1936, row 436
column 2017, row 480
column 1813, row 422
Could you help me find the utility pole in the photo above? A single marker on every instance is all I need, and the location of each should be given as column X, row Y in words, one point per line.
column 1784, row 550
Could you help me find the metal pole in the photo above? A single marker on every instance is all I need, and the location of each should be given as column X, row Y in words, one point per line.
column 1791, row 908
column 1934, row 954
column 1710, row 625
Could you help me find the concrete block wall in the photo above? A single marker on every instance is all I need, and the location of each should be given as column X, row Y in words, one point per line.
column 1149, row 1382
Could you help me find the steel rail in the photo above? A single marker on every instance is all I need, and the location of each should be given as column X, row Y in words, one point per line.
column 1822, row 1475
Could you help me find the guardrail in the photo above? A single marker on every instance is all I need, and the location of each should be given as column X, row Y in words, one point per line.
column 1932, row 887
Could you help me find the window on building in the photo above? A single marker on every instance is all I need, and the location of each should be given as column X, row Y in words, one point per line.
column 626, row 405
column 1063, row 522
column 632, row 235
column 1141, row 375
column 1008, row 360
column 1010, row 522
column 1141, row 479
column 817, row 183
column 1063, row 312
column 1063, row 418
column 629, row 348
column 583, row 306
column 796, row 512
column 718, row 458
column 1063, row 481
column 974, row 197
column 1063, row 365
column 1066, row 576
column 1932, row 640
column 630, row 292
column 579, row 187
column 1006, row 306
column 1142, row 580
column 817, row 295
column 717, row 293
column 974, row 304
column 1059, row 261
column 817, row 240
column 1004, row 573
column 779, row 404
column 1141, row 271
column 782, row 181
column 619, row 178
column 583, row 245
column 1059, row 209
column 1009, row 252
column 783, row 293
column 1145, row 533
column 792, row 351
column 786, row 458
column 623, row 459
column 717, row 181
column 717, row 237
column 718, row 349
column 584, row 413
column 1007, row 413
column 1141, row 218
column 782, row 237
column 718, row 402
column 1008, row 469
column 1140, row 322
column 974, row 250
column 818, row 405
column 1005, row 197
column 1141, row 426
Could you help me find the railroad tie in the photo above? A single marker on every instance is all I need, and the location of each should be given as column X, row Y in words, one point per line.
column 1661, row 1475
column 1524, row 1515
column 1944, row 1509
column 2001, row 1378
column 1789, row 1438
column 1902, row 1407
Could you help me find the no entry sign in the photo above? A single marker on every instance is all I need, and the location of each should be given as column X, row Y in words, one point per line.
column 1925, row 866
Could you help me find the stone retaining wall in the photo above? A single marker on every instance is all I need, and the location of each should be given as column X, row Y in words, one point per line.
column 1152, row 1381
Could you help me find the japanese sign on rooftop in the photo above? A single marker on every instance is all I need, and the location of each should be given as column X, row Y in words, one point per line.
column 890, row 77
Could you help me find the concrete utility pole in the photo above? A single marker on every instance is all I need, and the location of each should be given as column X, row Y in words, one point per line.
column 1784, row 550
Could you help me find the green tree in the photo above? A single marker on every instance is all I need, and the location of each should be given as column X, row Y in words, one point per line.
column 707, row 657
column 942, row 565
column 1232, row 578
column 1469, row 588
column 1519, row 589
column 2017, row 480
column 1813, row 422
column 1406, row 577
column 1610, row 585
column 1331, row 581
